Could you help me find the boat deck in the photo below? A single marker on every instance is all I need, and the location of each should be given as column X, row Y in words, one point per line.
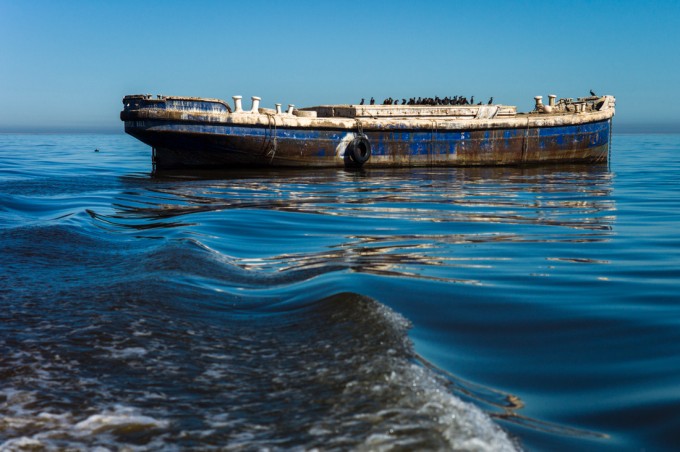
column 413, row 111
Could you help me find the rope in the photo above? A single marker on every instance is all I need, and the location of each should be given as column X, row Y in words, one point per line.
column 432, row 140
column 526, row 142
column 271, row 145
column 360, row 127
column 609, row 145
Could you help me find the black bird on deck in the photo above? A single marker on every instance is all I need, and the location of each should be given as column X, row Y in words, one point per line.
column 362, row 101
column 490, row 101
column 372, row 101
column 592, row 93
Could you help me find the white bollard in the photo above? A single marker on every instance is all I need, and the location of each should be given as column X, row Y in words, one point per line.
column 256, row 104
column 539, row 102
column 237, row 104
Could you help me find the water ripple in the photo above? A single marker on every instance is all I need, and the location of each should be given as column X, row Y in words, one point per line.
column 276, row 309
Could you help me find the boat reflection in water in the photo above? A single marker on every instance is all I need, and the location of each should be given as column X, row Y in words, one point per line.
column 390, row 222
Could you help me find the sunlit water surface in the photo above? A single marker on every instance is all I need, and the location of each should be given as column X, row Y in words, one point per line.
column 474, row 309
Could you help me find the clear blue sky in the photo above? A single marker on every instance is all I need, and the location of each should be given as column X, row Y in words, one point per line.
column 67, row 64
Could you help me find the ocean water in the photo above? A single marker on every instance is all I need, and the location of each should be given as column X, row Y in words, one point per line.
column 430, row 309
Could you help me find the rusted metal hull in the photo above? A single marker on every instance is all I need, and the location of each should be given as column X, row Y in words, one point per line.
column 198, row 140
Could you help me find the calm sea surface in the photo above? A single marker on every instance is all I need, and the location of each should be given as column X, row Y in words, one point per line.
column 474, row 309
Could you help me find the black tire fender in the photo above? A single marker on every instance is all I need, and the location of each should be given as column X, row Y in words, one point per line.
column 359, row 150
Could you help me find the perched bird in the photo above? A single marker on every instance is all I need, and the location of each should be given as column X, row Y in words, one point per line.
column 403, row 102
column 472, row 100
column 362, row 101
column 372, row 101
column 592, row 93
column 490, row 101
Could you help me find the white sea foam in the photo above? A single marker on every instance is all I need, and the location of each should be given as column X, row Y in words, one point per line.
column 121, row 418
column 462, row 425
column 26, row 429
column 375, row 397
column 22, row 443
column 424, row 397
column 48, row 429
column 128, row 353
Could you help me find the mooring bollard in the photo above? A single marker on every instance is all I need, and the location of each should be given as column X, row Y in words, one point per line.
column 256, row 104
column 539, row 102
column 237, row 104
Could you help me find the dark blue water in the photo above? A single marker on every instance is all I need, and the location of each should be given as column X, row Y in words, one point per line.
column 472, row 309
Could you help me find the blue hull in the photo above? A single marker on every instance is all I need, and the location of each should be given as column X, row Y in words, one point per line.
column 207, row 145
column 200, row 133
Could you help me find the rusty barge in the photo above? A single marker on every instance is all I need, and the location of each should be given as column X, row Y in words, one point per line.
column 191, row 132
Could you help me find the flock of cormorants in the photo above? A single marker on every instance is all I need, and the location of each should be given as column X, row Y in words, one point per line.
column 436, row 100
